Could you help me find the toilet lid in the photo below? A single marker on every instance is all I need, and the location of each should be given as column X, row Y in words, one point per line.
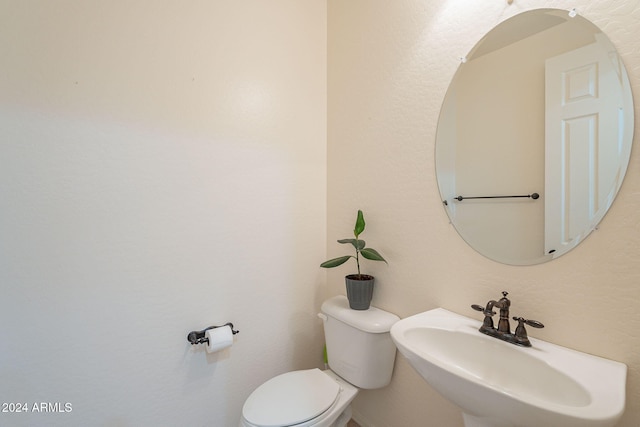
column 291, row 398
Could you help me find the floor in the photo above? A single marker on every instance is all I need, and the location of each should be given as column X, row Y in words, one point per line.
column 352, row 423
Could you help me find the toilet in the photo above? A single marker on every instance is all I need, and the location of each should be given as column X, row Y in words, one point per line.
column 361, row 355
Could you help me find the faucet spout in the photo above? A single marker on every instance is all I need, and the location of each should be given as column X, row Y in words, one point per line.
column 489, row 309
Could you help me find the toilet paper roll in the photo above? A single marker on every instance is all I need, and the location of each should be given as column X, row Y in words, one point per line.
column 219, row 338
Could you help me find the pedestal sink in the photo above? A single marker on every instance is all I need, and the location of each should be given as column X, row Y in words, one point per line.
column 498, row 384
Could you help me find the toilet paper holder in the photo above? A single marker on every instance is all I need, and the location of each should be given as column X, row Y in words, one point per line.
column 198, row 337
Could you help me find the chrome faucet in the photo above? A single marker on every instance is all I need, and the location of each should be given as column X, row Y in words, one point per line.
column 503, row 331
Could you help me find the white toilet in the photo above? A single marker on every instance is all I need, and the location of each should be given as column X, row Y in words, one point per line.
column 361, row 355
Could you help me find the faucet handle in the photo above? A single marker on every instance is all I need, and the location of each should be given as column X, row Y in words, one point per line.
column 521, row 333
column 532, row 323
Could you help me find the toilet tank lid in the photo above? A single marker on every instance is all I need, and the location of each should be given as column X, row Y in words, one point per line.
column 373, row 320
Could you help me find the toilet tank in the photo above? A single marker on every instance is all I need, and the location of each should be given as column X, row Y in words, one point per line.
column 359, row 346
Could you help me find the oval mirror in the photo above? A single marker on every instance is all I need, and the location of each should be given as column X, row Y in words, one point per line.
column 534, row 137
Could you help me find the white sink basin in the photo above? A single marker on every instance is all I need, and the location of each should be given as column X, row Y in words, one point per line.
column 499, row 384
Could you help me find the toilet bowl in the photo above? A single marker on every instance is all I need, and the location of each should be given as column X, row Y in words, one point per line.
column 361, row 354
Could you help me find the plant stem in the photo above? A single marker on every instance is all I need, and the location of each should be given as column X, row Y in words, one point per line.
column 358, row 257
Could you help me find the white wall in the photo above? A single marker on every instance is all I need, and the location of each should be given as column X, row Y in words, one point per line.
column 390, row 64
column 162, row 169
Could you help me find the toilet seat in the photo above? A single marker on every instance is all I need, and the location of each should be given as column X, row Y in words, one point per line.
column 295, row 398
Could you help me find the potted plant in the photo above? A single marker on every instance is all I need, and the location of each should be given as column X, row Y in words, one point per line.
column 359, row 286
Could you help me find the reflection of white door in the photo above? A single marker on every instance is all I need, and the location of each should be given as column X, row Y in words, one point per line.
column 581, row 165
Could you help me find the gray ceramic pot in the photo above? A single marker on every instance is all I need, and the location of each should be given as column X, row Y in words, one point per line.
column 359, row 291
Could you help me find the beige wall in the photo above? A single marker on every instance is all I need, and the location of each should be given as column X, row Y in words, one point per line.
column 389, row 67
column 162, row 169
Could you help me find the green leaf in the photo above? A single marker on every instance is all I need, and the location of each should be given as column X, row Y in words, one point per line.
column 359, row 224
column 358, row 244
column 372, row 254
column 335, row 262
